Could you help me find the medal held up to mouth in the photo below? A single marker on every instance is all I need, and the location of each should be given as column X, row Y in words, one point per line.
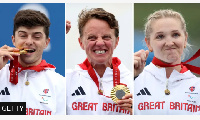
column 25, row 51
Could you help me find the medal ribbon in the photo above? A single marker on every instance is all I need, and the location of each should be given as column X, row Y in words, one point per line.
column 116, row 73
column 192, row 68
column 14, row 70
column 14, row 65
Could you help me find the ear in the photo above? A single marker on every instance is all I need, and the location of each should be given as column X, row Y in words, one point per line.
column 81, row 43
column 116, row 43
column 47, row 42
column 185, row 42
column 148, row 45
column 13, row 40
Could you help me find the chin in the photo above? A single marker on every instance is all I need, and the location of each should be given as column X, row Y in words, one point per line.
column 101, row 61
column 27, row 60
column 172, row 60
column 98, row 61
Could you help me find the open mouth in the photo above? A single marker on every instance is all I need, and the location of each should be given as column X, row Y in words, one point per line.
column 29, row 50
column 100, row 51
column 25, row 51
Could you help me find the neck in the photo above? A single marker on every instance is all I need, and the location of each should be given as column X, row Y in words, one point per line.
column 100, row 69
column 170, row 69
column 23, row 64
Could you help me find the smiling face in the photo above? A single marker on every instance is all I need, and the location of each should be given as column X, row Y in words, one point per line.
column 34, row 39
column 99, row 42
column 167, row 40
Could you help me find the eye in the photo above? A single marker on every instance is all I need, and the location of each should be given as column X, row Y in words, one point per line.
column 37, row 37
column 160, row 36
column 106, row 37
column 92, row 38
column 23, row 36
column 175, row 35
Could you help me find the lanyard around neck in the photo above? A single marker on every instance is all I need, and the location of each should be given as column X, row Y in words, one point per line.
column 116, row 73
column 14, row 65
column 192, row 68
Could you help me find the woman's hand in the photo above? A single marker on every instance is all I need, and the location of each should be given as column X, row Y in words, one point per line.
column 126, row 103
column 140, row 58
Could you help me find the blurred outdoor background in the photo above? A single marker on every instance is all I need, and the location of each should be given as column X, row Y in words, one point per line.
column 191, row 14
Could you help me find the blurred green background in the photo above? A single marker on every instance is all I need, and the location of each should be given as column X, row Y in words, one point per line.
column 191, row 14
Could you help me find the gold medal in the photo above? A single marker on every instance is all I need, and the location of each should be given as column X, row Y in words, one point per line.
column 167, row 92
column 118, row 92
column 100, row 92
column 27, row 83
column 24, row 51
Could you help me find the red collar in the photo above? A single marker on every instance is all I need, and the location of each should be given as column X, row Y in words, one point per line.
column 39, row 67
column 184, row 65
column 116, row 73
column 183, row 69
column 14, row 65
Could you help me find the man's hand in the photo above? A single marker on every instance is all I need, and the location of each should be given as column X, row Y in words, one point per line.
column 126, row 103
column 68, row 26
column 140, row 58
column 6, row 54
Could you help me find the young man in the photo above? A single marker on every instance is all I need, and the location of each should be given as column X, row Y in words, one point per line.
column 28, row 78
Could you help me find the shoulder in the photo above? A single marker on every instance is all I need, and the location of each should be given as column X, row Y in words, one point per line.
column 4, row 73
column 51, row 72
column 77, row 71
column 149, row 73
column 124, row 71
column 152, row 70
column 53, row 76
column 126, row 77
column 5, row 70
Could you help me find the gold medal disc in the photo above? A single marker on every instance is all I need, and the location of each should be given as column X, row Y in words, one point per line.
column 167, row 92
column 27, row 83
column 118, row 92
column 100, row 92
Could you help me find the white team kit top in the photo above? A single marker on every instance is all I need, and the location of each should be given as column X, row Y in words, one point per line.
column 82, row 92
column 150, row 98
column 45, row 95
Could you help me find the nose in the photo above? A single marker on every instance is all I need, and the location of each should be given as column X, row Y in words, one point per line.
column 100, row 42
column 169, row 42
column 29, row 41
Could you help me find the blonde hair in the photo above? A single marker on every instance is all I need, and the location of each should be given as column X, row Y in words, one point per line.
column 166, row 13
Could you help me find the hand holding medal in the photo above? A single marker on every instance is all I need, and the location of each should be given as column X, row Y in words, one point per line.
column 14, row 66
column 6, row 53
column 118, row 92
column 126, row 102
column 121, row 95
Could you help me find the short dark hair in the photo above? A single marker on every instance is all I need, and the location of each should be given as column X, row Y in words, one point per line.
column 97, row 13
column 31, row 18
